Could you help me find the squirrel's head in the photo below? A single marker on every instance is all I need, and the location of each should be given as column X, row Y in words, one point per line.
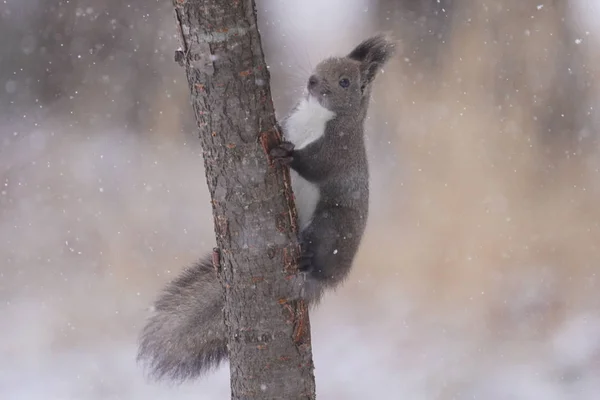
column 343, row 84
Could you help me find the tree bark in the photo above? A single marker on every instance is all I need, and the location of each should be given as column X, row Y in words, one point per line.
column 254, row 214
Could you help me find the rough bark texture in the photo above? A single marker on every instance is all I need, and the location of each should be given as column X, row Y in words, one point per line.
column 255, row 218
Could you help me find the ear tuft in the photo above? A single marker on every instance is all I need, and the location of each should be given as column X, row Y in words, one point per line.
column 373, row 53
column 377, row 49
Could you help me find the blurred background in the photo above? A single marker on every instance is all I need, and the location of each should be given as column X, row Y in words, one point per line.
column 479, row 274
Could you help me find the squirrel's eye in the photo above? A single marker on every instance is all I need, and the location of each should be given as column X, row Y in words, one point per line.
column 344, row 82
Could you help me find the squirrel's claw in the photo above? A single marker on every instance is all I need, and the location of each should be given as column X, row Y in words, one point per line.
column 289, row 146
column 282, row 153
column 305, row 262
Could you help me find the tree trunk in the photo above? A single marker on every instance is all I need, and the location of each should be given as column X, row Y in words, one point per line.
column 255, row 218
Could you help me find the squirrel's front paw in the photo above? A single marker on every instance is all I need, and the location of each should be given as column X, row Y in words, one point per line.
column 305, row 262
column 283, row 153
column 306, row 258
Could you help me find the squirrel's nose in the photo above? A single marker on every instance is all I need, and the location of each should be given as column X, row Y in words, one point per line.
column 312, row 81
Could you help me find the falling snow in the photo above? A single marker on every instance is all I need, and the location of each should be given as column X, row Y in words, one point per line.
column 478, row 276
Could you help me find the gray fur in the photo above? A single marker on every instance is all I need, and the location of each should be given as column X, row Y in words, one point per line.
column 336, row 163
column 185, row 337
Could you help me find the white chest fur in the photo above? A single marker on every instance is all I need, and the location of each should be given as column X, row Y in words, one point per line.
column 305, row 125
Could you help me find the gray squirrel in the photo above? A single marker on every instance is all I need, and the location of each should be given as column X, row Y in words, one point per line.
column 324, row 146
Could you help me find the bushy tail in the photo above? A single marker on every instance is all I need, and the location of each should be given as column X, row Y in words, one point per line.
column 185, row 337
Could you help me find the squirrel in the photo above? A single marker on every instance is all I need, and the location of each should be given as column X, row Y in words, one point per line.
column 324, row 147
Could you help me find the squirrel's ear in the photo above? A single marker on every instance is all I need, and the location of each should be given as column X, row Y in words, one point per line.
column 372, row 53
